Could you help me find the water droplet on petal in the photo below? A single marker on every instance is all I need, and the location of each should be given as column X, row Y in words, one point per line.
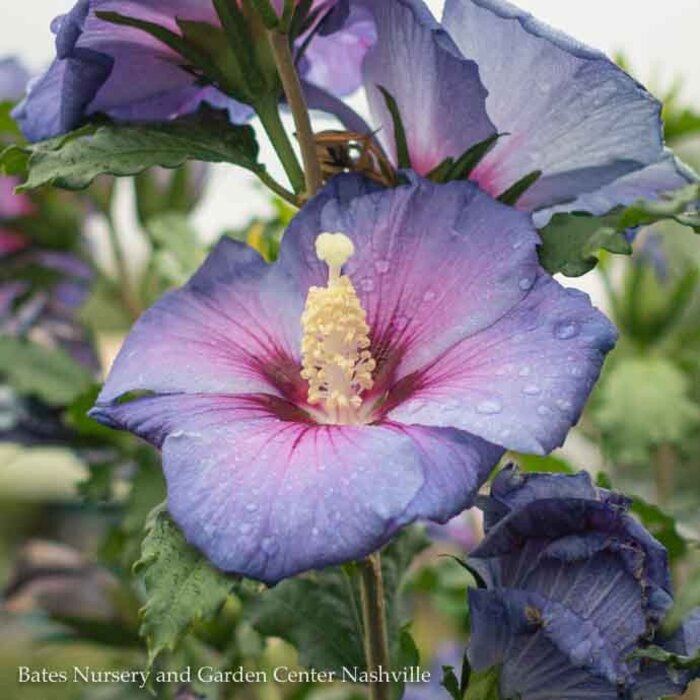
column 564, row 405
column 245, row 528
column 489, row 407
column 576, row 371
column 524, row 372
column 382, row 266
column 429, row 296
column 565, row 330
column 543, row 410
column 531, row 389
column 367, row 284
column 526, row 283
column 251, row 507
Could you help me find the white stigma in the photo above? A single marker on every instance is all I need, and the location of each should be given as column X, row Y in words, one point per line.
column 336, row 361
column 334, row 249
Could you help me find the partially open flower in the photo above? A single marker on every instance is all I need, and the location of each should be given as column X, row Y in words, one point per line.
column 562, row 109
column 96, row 62
column 309, row 409
column 575, row 588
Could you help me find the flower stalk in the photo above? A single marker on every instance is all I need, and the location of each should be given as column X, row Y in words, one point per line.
column 297, row 104
column 374, row 622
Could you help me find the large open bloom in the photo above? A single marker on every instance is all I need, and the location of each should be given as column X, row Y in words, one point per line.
column 563, row 109
column 96, row 63
column 308, row 409
column 574, row 587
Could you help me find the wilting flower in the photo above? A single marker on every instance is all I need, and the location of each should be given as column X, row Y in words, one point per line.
column 562, row 109
column 96, row 62
column 306, row 415
column 574, row 588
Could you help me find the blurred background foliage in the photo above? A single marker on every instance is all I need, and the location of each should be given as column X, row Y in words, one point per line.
column 76, row 497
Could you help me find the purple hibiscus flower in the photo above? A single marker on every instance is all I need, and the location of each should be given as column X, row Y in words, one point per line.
column 562, row 109
column 96, row 62
column 306, row 415
column 574, row 587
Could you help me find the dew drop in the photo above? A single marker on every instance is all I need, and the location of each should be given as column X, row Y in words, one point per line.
column 576, row 371
column 489, row 407
column 526, row 283
column 564, row 405
column 524, row 371
column 543, row 410
column 251, row 507
column 245, row 528
column 367, row 284
column 565, row 330
column 429, row 296
column 382, row 266
column 531, row 389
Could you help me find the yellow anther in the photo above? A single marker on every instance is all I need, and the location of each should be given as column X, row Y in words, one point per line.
column 335, row 360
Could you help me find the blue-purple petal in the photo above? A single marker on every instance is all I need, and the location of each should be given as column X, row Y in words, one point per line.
column 570, row 112
column 267, row 496
column 438, row 92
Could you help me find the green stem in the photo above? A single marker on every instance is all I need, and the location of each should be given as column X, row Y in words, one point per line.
column 268, row 112
column 275, row 186
column 374, row 621
column 297, row 104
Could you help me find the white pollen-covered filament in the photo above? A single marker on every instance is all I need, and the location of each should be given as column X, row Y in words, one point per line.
column 336, row 361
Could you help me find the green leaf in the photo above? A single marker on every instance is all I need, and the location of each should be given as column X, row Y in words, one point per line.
column 403, row 156
column 77, row 419
column 48, row 373
column 450, row 683
column 75, row 160
column 681, row 206
column 484, row 685
column 187, row 49
column 536, row 463
column 466, row 163
column 571, row 242
column 182, row 587
column 516, row 191
column 321, row 615
column 679, row 123
column 643, row 403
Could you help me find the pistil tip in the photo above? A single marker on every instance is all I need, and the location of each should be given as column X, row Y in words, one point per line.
column 335, row 249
